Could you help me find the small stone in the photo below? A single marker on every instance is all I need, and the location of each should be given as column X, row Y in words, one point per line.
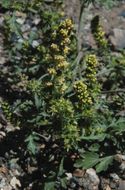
column 114, row 176
column 108, row 187
column 15, row 182
column 121, row 185
column 20, row 14
column 122, row 14
column 92, row 176
column 79, row 173
column 122, row 166
column 2, row 182
column 25, row 28
column 35, row 44
column 36, row 21
column 20, row 20
column 69, row 176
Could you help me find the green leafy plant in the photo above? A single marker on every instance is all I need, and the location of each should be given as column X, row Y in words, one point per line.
column 64, row 104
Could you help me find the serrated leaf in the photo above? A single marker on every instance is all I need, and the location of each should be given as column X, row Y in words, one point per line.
column 90, row 160
column 61, row 169
column 31, row 144
column 104, row 163
column 99, row 137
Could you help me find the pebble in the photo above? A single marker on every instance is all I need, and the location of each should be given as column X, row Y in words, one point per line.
column 36, row 21
column 20, row 20
column 25, row 28
column 35, row 43
column 92, row 176
column 114, row 176
column 121, row 185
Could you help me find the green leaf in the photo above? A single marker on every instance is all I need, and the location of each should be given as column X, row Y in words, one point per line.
column 61, row 169
column 104, row 163
column 64, row 182
column 94, row 147
column 49, row 185
column 79, row 163
column 99, row 137
column 90, row 160
column 5, row 3
column 31, row 143
column 37, row 101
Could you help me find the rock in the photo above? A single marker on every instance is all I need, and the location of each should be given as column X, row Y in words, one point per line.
column 88, row 181
column 78, row 173
column 2, row 182
column 118, row 158
column 15, row 182
column 20, row 20
column 35, row 43
column 122, row 14
column 117, row 38
column 114, row 176
column 7, row 187
column 69, row 176
column 121, row 185
column 108, row 187
column 91, row 174
column 20, row 14
column 36, row 21
column 122, row 166
column 25, row 28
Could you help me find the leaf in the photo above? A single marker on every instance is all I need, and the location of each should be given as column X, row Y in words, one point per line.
column 118, row 126
column 94, row 147
column 37, row 101
column 31, row 144
column 64, row 182
column 90, row 160
column 5, row 3
column 99, row 137
column 61, row 169
column 79, row 163
column 104, row 163
column 49, row 186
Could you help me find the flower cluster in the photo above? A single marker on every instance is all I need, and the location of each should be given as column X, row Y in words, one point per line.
column 99, row 36
column 23, row 83
column 54, row 47
column 59, row 49
column 35, row 86
column 61, row 37
column 91, row 64
column 61, row 85
column 70, row 135
column 51, row 71
column 82, row 92
column 62, row 108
